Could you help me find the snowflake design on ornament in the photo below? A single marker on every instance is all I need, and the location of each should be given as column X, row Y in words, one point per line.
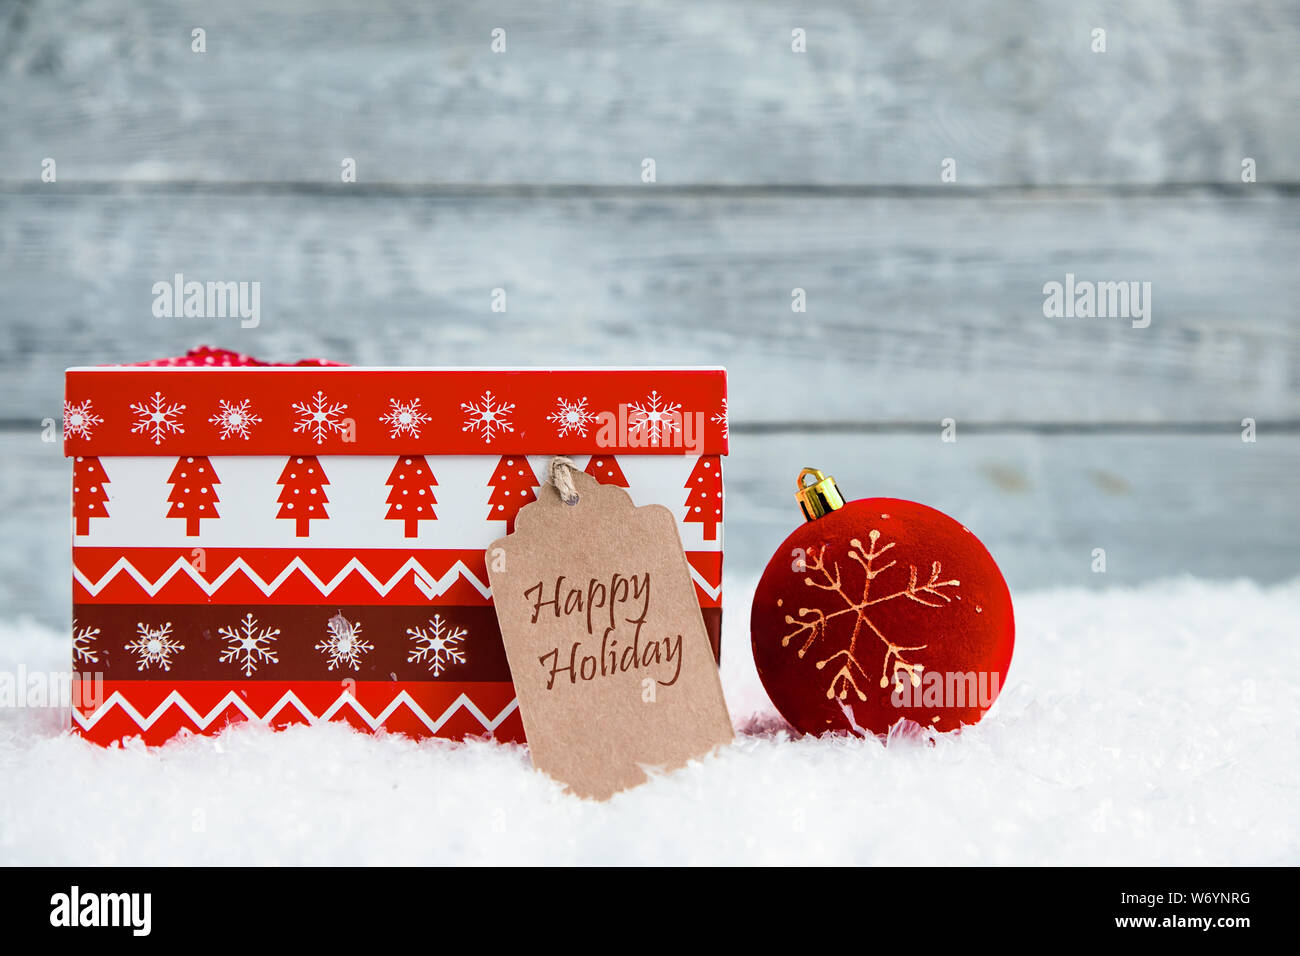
column 438, row 644
column 343, row 645
column 157, row 418
column 404, row 418
column 235, row 418
column 655, row 419
column 249, row 644
column 811, row 622
column 571, row 418
column 154, row 645
column 82, row 640
column 720, row 418
column 79, row 420
column 319, row 417
column 487, row 416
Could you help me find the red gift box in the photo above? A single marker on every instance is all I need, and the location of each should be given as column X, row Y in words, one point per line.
column 292, row 544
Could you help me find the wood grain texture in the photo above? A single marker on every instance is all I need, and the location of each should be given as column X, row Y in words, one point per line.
column 709, row 88
column 918, row 308
column 1161, row 506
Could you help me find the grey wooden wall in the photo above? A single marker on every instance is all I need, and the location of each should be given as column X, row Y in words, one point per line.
column 775, row 170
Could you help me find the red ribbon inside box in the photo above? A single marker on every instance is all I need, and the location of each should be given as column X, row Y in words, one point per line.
column 292, row 544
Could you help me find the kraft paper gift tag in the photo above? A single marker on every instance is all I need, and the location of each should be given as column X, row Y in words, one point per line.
column 607, row 647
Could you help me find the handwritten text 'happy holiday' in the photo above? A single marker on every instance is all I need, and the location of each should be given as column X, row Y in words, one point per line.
column 603, row 605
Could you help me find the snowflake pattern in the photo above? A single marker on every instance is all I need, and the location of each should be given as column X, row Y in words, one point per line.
column 487, row 416
column 571, row 418
column 343, row 645
column 79, row 420
column 157, row 418
column 656, row 419
column 438, row 644
column 811, row 622
column 235, row 418
column 404, row 418
column 82, row 641
column 319, row 417
column 720, row 418
column 249, row 644
column 154, row 645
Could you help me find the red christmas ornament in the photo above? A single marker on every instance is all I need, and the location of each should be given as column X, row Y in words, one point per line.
column 879, row 610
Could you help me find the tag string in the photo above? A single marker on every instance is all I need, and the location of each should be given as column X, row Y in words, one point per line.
column 561, row 472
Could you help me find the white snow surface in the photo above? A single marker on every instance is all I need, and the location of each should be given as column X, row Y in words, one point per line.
column 1149, row 726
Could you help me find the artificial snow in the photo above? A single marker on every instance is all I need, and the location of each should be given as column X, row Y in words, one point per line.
column 1147, row 726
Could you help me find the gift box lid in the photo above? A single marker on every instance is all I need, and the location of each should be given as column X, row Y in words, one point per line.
column 242, row 408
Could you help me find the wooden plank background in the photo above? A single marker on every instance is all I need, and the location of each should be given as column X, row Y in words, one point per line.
column 775, row 171
column 710, row 88
column 918, row 308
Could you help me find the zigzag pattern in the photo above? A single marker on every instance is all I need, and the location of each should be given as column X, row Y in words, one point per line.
column 431, row 586
column 203, row 721
column 705, row 586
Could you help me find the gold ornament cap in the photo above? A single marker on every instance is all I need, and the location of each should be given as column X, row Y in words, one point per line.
column 818, row 497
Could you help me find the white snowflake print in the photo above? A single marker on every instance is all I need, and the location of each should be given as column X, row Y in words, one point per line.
column 249, row 644
column 404, row 418
column 571, row 418
column 154, row 645
column 655, row 419
column 319, row 417
column 343, row 645
column 157, row 418
column 438, row 644
column 79, row 420
column 720, row 418
column 487, row 416
column 235, row 418
column 82, row 639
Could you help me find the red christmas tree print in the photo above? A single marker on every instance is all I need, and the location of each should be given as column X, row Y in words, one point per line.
column 303, row 497
column 604, row 468
column 411, row 499
column 704, row 501
column 88, row 494
column 194, row 495
column 512, row 487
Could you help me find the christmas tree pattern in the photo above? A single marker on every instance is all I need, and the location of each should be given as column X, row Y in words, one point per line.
column 704, row 498
column 411, row 499
column 512, row 487
column 194, row 495
column 811, row 622
column 605, row 469
column 303, row 495
column 88, row 494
